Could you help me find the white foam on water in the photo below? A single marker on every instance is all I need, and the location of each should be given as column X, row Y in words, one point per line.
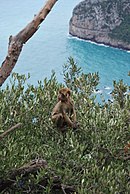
column 107, row 88
column 97, row 91
column 92, row 42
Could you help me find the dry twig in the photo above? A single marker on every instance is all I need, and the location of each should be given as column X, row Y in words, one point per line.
column 9, row 130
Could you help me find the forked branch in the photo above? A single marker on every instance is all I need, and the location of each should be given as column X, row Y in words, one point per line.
column 16, row 42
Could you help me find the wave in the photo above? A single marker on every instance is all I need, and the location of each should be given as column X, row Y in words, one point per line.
column 109, row 93
column 97, row 91
column 89, row 41
column 92, row 42
column 83, row 40
column 107, row 88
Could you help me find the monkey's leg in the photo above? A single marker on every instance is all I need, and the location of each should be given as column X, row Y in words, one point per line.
column 70, row 123
column 67, row 120
column 58, row 119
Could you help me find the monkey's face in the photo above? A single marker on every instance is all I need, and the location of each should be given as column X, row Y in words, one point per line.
column 64, row 94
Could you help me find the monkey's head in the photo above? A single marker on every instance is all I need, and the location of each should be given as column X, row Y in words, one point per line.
column 64, row 94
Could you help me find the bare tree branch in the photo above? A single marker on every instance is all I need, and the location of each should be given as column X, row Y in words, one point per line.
column 9, row 130
column 31, row 167
column 16, row 42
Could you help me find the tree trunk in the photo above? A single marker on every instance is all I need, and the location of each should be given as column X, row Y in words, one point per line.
column 16, row 42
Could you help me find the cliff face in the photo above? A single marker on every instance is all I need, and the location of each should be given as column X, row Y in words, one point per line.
column 102, row 21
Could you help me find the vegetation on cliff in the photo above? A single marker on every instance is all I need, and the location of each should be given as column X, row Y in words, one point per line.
column 90, row 160
column 122, row 32
column 106, row 21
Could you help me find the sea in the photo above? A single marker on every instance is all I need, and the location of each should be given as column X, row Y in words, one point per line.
column 51, row 46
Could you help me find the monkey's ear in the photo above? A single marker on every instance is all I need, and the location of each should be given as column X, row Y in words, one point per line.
column 60, row 91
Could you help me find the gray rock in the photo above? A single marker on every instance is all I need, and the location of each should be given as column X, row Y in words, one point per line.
column 96, row 20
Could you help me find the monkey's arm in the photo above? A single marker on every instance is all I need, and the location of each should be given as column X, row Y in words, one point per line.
column 74, row 115
column 74, row 118
column 73, row 112
column 67, row 119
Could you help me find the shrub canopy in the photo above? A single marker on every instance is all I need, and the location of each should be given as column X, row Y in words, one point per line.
column 92, row 158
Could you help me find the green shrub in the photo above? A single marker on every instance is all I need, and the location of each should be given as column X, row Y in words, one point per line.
column 91, row 158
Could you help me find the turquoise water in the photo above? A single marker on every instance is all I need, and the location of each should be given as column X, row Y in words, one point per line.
column 51, row 46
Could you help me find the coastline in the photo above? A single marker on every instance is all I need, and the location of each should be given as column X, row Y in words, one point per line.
column 96, row 43
column 102, row 23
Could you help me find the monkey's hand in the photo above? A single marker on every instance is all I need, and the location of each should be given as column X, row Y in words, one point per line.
column 63, row 113
column 75, row 125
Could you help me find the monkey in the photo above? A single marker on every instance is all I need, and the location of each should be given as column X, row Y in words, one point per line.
column 64, row 114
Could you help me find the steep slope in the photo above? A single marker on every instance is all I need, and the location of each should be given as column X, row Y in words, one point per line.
column 102, row 21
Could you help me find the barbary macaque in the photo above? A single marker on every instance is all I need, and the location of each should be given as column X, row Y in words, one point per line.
column 63, row 114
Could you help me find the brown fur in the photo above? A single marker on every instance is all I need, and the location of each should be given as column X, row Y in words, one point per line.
column 63, row 113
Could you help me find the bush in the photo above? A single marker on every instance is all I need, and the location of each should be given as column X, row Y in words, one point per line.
column 122, row 32
column 92, row 158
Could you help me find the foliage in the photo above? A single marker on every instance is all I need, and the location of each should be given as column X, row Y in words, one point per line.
column 122, row 32
column 91, row 158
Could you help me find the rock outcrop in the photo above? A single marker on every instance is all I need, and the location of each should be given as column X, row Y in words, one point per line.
column 102, row 21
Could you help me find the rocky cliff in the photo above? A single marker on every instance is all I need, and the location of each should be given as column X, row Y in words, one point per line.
column 102, row 21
